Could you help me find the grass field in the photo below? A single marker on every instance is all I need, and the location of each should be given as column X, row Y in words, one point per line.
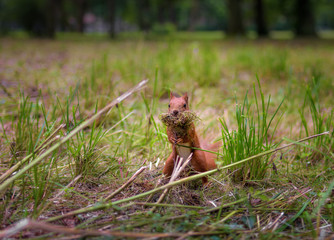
column 253, row 96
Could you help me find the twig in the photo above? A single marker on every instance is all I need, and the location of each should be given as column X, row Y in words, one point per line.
column 31, row 224
column 134, row 176
column 35, row 225
column 87, row 122
column 185, row 236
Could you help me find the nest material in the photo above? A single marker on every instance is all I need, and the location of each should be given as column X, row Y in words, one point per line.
column 179, row 124
column 183, row 119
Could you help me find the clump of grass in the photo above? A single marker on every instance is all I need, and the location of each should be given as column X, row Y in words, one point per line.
column 33, row 133
column 25, row 127
column 84, row 150
column 321, row 122
column 179, row 124
column 30, row 127
column 250, row 138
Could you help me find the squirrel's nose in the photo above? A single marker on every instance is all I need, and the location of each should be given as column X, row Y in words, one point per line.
column 175, row 112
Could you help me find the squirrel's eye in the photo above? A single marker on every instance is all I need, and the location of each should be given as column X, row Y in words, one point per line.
column 169, row 105
column 185, row 105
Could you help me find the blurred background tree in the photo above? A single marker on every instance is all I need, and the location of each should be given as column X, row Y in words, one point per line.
column 235, row 18
column 260, row 18
column 45, row 18
column 304, row 24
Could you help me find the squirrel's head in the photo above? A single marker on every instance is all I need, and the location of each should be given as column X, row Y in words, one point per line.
column 178, row 104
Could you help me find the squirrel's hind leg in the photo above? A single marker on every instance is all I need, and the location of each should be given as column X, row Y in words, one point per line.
column 169, row 165
column 199, row 164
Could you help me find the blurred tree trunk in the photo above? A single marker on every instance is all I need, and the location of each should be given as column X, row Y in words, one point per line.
column 51, row 13
column 173, row 14
column 194, row 14
column 82, row 5
column 305, row 22
column 261, row 26
column 168, row 12
column 112, row 18
column 235, row 25
column 63, row 24
column 144, row 15
column 161, row 17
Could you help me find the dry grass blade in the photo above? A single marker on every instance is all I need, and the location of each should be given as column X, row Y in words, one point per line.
column 134, row 176
column 227, row 217
column 89, row 121
column 179, row 167
column 165, row 205
column 60, row 193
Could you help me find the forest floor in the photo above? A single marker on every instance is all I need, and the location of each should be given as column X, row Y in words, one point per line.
column 61, row 164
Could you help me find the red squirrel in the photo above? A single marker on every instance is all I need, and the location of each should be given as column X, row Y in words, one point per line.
column 201, row 161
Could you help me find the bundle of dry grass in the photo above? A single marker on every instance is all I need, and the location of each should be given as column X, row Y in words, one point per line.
column 182, row 120
column 179, row 124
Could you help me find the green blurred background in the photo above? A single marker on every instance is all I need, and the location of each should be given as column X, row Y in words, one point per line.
column 115, row 18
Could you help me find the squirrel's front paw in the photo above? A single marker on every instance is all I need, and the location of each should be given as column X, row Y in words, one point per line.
column 175, row 140
column 172, row 139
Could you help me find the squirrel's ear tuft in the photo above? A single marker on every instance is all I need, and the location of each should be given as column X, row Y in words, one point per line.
column 171, row 95
column 185, row 96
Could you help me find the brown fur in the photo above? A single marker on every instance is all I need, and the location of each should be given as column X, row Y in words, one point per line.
column 201, row 161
